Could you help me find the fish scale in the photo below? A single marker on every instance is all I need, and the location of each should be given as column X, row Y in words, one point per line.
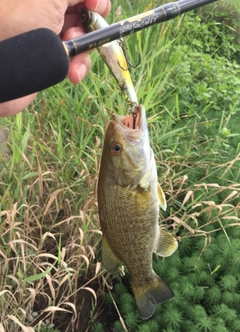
column 128, row 203
column 128, row 240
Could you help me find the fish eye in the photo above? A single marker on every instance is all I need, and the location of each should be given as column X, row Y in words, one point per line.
column 116, row 148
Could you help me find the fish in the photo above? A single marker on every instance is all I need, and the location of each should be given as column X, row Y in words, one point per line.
column 112, row 54
column 129, row 197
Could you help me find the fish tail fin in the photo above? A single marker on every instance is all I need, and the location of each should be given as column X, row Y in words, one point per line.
column 148, row 296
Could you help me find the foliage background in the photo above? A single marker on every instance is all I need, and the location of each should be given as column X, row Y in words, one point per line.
column 50, row 247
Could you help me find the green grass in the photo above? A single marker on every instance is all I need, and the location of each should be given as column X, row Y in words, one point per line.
column 50, row 276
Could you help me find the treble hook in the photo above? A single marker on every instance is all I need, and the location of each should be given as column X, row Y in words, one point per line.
column 121, row 43
column 134, row 114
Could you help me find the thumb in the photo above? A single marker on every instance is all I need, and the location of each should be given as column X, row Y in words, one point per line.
column 16, row 105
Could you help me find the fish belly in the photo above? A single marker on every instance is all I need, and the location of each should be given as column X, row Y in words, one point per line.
column 130, row 225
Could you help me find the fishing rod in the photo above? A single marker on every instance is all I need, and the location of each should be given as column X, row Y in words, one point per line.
column 38, row 59
column 131, row 25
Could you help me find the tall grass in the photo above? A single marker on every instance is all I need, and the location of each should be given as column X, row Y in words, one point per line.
column 50, row 273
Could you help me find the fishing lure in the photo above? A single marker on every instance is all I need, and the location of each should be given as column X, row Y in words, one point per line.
column 113, row 54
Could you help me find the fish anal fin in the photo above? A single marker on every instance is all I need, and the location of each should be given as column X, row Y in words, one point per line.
column 161, row 198
column 148, row 296
column 166, row 244
column 109, row 259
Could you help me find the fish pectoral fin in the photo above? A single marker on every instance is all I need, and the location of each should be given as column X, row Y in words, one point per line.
column 148, row 296
column 166, row 244
column 144, row 183
column 109, row 259
column 161, row 198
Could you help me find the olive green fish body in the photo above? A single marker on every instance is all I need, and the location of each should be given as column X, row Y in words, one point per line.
column 127, row 210
column 128, row 201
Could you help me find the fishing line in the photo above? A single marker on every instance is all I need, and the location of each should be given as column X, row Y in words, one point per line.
column 38, row 59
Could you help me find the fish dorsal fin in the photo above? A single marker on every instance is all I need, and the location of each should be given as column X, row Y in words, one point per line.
column 161, row 198
column 166, row 244
column 109, row 260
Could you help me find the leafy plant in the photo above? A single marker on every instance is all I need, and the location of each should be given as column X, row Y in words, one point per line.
column 50, row 271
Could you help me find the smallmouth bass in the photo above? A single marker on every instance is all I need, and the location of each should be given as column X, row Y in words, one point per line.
column 128, row 201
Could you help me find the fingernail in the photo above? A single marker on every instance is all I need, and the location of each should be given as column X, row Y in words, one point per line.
column 100, row 6
column 82, row 71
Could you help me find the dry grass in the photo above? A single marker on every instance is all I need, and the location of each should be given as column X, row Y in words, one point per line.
column 50, row 272
column 51, row 276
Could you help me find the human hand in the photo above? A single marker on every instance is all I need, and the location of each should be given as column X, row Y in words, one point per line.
column 61, row 16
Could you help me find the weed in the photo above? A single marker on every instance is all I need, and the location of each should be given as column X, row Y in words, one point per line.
column 50, row 272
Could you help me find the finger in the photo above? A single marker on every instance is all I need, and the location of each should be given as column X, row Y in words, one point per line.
column 79, row 68
column 71, row 20
column 15, row 106
column 101, row 6
column 72, row 3
column 79, row 65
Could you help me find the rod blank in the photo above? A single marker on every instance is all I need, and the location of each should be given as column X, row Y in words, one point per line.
column 131, row 25
column 38, row 59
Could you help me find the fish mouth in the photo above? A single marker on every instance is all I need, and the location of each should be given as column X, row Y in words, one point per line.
column 131, row 121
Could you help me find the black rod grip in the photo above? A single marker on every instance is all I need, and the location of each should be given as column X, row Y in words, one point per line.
column 31, row 62
column 38, row 59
